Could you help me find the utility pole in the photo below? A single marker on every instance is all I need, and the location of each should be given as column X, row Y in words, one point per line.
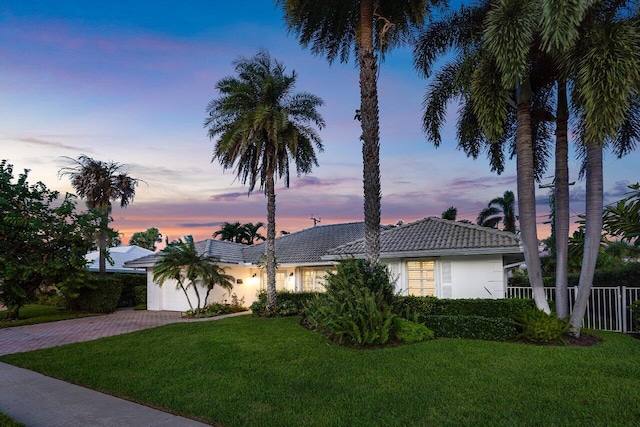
column 315, row 220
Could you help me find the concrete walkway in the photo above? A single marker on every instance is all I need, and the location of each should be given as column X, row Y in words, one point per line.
column 37, row 400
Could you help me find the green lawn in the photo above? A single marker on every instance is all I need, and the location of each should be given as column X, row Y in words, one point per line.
column 273, row 372
column 34, row 313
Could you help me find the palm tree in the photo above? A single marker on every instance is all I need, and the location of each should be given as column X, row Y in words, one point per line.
column 231, row 232
column 181, row 261
column 491, row 216
column 261, row 128
column 251, row 233
column 489, row 90
column 450, row 214
column 335, row 28
column 623, row 219
column 101, row 183
column 146, row 239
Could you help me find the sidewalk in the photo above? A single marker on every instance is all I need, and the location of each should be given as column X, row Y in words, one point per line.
column 37, row 400
column 40, row 401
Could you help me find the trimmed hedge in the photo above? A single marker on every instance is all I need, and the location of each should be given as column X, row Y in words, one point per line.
column 140, row 295
column 129, row 283
column 472, row 327
column 411, row 306
column 287, row 304
column 102, row 297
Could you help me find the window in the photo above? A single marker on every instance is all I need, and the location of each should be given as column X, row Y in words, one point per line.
column 281, row 276
column 421, row 278
column 313, row 280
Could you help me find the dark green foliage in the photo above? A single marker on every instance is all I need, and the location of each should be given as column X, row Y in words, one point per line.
column 288, row 304
column 356, row 309
column 219, row 308
column 140, row 295
column 635, row 311
column 408, row 306
column 43, row 240
column 538, row 326
column 408, row 332
column 626, row 274
column 101, row 297
column 129, row 284
column 472, row 327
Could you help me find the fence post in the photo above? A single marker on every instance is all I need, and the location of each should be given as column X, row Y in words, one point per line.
column 624, row 309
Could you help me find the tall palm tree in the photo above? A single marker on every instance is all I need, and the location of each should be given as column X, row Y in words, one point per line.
column 231, row 232
column 261, row 128
column 504, row 212
column 101, row 183
column 181, row 261
column 335, row 28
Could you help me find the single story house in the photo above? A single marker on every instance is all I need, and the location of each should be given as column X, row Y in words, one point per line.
column 431, row 256
column 119, row 255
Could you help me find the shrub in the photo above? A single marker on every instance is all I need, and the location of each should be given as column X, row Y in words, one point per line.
column 140, row 295
column 129, row 284
column 472, row 327
column 635, row 312
column 287, row 304
column 421, row 307
column 101, row 297
column 355, row 309
column 538, row 326
column 408, row 332
column 219, row 308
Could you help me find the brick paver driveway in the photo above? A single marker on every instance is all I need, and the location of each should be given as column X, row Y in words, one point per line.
column 45, row 335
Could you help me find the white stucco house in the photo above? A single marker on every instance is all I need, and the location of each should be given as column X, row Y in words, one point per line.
column 119, row 255
column 431, row 256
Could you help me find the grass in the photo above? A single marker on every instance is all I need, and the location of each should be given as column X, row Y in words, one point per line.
column 6, row 421
column 273, row 372
column 34, row 313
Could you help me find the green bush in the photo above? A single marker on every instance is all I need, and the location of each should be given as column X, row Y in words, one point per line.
column 219, row 308
column 140, row 295
column 635, row 312
column 129, row 284
column 287, row 304
column 101, row 297
column 421, row 307
column 355, row 309
column 408, row 332
column 538, row 326
column 472, row 327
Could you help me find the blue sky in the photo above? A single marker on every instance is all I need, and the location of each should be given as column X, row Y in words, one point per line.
column 129, row 82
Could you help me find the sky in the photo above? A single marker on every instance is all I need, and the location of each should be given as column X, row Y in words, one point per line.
column 129, row 82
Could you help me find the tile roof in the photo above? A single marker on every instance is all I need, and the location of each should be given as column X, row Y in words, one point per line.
column 317, row 245
column 309, row 245
column 435, row 237
column 119, row 255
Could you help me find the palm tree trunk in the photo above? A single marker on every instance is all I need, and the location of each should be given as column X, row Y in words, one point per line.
column 271, row 241
column 370, row 133
column 561, row 193
column 592, row 235
column 187, row 295
column 527, row 199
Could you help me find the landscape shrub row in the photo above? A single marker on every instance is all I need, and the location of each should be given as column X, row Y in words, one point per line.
column 626, row 275
column 472, row 327
column 288, row 304
column 101, row 296
column 422, row 307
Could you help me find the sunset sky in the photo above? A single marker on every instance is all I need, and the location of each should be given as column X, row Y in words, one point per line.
column 129, row 81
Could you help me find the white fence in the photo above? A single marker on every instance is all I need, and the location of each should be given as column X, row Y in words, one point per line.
column 606, row 310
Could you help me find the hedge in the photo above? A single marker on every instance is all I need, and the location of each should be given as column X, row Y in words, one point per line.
column 411, row 306
column 472, row 327
column 101, row 297
column 287, row 304
column 626, row 275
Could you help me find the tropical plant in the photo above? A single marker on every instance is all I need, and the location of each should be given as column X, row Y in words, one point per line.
column 101, row 183
column 252, row 233
column 146, row 239
column 231, row 232
column 623, row 219
column 450, row 214
column 368, row 27
column 262, row 127
column 182, row 262
column 491, row 216
column 43, row 241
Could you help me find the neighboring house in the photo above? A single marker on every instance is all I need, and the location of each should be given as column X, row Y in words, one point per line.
column 119, row 255
column 431, row 256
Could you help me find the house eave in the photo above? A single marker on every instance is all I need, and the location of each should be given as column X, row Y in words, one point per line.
column 430, row 253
